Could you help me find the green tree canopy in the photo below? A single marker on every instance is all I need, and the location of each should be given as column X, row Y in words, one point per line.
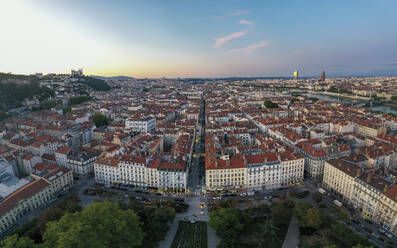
column 270, row 104
column 99, row 119
column 331, row 246
column 94, row 83
column 66, row 110
column 269, row 231
column 100, row 225
column 300, row 209
column 224, row 220
column 281, row 214
column 12, row 94
column 14, row 241
column 47, row 104
column 312, row 219
column 3, row 115
column 79, row 99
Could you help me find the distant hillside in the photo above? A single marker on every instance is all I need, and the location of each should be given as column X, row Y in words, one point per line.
column 112, row 78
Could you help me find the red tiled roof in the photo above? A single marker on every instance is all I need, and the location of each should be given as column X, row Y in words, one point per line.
column 391, row 192
column 64, row 150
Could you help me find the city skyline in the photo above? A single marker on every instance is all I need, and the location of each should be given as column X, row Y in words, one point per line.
column 206, row 39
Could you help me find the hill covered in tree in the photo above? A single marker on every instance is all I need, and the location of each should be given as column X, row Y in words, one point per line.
column 12, row 94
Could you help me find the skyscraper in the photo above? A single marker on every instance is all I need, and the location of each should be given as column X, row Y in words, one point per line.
column 296, row 74
column 322, row 76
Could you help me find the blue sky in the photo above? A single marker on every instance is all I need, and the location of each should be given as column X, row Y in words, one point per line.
column 201, row 38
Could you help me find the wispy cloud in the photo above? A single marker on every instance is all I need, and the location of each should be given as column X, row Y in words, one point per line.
column 253, row 47
column 223, row 40
column 392, row 63
column 246, row 22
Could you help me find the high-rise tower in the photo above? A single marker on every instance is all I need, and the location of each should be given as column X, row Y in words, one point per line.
column 322, row 76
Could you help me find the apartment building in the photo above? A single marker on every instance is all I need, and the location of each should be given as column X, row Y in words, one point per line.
column 367, row 192
column 339, row 178
column 226, row 174
column 61, row 156
column 106, row 171
column 31, row 196
column 386, row 212
column 81, row 162
column 141, row 172
column 292, row 167
column 263, row 171
column 172, row 176
column 370, row 129
column 141, row 125
column 60, row 179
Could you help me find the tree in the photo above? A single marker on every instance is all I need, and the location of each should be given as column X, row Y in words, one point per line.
column 158, row 224
column 66, row 110
column 361, row 246
column 51, row 214
column 47, row 104
column 3, row 115
column 99, row 225
column 79, row 99
column 269, row 232
column 331, row 246
column 300, row 209
column 225, row 222
column 280, row 214
column 270, row 104
column 95, row 83
column 317, row 197
column 99, row 120
column 312, row 219
column 15, row 241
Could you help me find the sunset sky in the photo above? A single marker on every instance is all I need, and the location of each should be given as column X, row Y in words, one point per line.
column 169, row 38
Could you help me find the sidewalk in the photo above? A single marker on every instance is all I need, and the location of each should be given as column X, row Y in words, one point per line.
column 292, row 238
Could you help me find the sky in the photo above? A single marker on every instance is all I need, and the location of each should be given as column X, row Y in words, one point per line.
column 206, row 38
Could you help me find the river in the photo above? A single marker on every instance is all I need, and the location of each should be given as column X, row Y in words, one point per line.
column 383, row 108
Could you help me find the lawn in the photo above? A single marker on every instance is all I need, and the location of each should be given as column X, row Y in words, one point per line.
column 190, row 235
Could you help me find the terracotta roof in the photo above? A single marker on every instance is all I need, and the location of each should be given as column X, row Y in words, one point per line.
column 166, row 165
column 345, row 167
column 391, row 192
column 64, row 150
